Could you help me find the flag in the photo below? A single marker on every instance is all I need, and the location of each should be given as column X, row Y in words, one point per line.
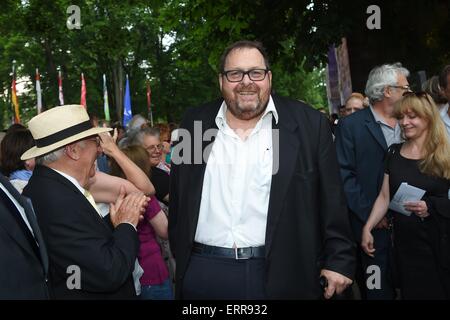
column 83, row 91
column 105, row 99
column 38, row 92
column 127, row 115
column 149, row 108
column 14, row 97
column 61, row 96
column 149, row 93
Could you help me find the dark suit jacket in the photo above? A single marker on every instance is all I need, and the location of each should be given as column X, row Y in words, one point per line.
column 361, row 149
column 76, row 235
column 307, row 224
column 23, row 271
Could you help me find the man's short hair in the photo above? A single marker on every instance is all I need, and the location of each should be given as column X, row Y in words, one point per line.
column 381, row 77
column 243, row 44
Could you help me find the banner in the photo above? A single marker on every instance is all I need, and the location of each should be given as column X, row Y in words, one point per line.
column 127, row 115
column 60, row 89
column 14, row 100
column 38, row 92
column 83, row 91
column 105, row 99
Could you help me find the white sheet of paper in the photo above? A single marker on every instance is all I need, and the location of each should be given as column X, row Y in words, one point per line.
column 405, row 193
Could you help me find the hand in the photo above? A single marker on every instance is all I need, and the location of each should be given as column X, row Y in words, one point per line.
column 383, row 224
column 337, row 283
column 419, row 208
column 367, row 242
column 108, row 143
column 128, row 208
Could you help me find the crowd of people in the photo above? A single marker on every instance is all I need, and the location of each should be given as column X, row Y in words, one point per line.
column 266, row 199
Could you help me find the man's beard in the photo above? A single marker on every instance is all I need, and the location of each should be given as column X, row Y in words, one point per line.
column 240, row 112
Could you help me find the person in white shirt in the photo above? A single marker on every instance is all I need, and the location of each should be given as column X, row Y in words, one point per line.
column 260, row 212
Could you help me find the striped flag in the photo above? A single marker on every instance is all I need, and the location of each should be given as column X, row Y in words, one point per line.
column 60, row 89
column 127, row 115
column 83, row 91
column 38, row 92
column 105, row 99
column 149, row 108
column 14, row 100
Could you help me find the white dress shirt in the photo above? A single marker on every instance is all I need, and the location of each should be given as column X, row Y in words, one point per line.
column 236, row 185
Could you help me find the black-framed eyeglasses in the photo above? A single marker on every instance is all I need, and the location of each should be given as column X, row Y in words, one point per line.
column 153, row 148
column 238, row 75
column 405, row 87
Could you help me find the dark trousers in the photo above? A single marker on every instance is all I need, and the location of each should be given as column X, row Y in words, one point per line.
column 217, row 278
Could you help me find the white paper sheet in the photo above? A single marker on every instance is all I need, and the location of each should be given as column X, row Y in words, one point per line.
column 405, row 193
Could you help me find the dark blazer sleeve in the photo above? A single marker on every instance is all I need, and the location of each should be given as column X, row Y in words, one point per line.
column 76, row 235
column 339, row 255
column 357, row 201
column 106, row 262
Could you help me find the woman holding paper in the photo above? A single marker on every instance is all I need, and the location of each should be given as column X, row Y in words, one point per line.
column 422, row 230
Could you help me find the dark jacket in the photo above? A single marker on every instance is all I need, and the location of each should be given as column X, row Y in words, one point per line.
column 307, row 224
column 23, row 257
column 361, row 149
column 77, row 236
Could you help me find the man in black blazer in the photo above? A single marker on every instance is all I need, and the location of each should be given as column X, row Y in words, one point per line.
column 362, row 139
column 89, row 259
column 259, row 213
column 23, row 256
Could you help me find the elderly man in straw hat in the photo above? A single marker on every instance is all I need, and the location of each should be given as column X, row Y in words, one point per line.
column 89, row 258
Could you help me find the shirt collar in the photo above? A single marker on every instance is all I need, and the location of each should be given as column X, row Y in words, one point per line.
column 221, row 115
column 71, row 179
column 375, row 115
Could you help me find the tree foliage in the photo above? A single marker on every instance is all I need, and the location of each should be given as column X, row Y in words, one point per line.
column 175, row 45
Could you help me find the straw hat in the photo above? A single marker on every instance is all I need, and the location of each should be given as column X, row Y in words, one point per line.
column 58, row 127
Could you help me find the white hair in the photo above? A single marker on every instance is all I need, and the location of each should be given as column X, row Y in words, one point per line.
column 50, row 157
column 381, row 77
column 136, row 122
column 137, row 138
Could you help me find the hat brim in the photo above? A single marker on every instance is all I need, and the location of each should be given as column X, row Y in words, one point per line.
column 36, row 152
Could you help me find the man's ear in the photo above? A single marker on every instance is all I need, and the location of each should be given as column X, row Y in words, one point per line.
column 220, row 81
column 387, row 91
column 73, row 151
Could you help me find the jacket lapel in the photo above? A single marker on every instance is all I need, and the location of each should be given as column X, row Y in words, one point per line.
column 10, row 225
column 29, row 211
column 374, row 129
column 286, row 154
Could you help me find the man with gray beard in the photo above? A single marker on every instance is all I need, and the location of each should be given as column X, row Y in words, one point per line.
column 262, row 214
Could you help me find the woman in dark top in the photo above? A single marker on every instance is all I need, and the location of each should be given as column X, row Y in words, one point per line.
column 421, row 239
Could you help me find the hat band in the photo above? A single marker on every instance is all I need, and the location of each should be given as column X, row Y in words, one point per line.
column 63, row 134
